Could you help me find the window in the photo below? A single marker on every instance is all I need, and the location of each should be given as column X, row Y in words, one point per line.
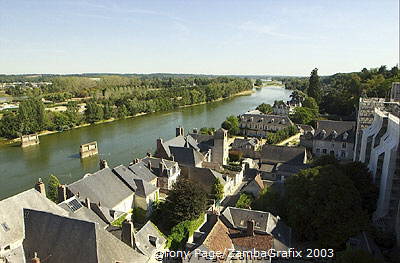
column 323, row 150
column 333, row 145
column 344, row 145
column 318, row 150
column 343, row 154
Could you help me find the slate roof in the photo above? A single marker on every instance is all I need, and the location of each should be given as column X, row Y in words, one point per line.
column 254, row 186
column 277, row 120
column 326, row 130
column 240, row 143
column 83, row 213
column 186, row 156
column 11, row 214
column 178, row 141
column 155, row 164
column 204, row 177
column 126, row 175
column 265, row 223
column 141, row 171
column 142, row 239
column 64, row 239
column 282, row 154
column 103, row 186
column 144, row 188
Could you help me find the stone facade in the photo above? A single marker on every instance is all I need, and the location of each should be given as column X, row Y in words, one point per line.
column 257, row 124
column 220, row 151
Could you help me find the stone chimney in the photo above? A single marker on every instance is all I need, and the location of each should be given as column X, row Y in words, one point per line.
column 135, row 161
column 127, row 233
column 149, row 165
column 195, row 131
column 149, row 154
column 62, row 193
column 40, row 187
column 250, row 228
column 35, row 258
column 180, row 131
column 103, row 164
column 161, row 168
column 87, row 202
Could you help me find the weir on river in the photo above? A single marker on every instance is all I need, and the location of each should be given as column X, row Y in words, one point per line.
column 119, row 142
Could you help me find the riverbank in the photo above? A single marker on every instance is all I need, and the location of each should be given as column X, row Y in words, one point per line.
column 5, row 142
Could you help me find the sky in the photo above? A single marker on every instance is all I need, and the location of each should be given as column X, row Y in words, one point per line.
column 260, row 37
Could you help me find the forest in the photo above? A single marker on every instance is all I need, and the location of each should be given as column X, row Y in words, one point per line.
column 110, row 97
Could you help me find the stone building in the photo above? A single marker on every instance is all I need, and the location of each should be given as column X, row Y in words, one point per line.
column 194, row 149
column 379, row 149
column 335, row 138
column 257, row 124
column 29, row 140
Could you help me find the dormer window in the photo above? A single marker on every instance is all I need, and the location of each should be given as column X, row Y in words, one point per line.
column 345, row 135
column 153, row 241
column 272, row 120
column 283, row 121
column 334, row 134
column 323, row 133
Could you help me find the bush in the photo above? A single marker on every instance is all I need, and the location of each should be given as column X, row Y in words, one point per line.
column 273, row 138
column 245, row 201
column 182, row 231
column 52, row 188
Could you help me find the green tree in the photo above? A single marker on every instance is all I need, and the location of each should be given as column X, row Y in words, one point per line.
column 186, row 200
column 217, row 190
column 310, row 103
column 265, row 108
column 324, row 206
column 258, row 83
column 93, row 112
column 303, row 115
column 52, row 188
column 231, row 124
column 314, row 86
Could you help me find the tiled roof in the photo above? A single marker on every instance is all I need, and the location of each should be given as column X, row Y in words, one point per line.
column 218, row 239
column 243, row 241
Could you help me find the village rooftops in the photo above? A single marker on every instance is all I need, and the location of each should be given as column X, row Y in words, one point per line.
column 103, row 186
column 64, row 239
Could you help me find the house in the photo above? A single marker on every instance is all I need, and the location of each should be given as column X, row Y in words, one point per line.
column 143, row 171
column 254, row 187
column 194, row 149
column 336, row 138
column 279, row 162
column 141, row 183
column 149, row 240
column 239, row 230
column 206, row 177
column 259, row 222
column 59, row 238
column 257, row 124
column 104, row 188
column 12, row 231
column 167, row 171
column 307, row 134
column 380, row 151
column 246, row 144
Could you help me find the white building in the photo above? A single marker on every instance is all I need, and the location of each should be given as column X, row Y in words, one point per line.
column 380, row 151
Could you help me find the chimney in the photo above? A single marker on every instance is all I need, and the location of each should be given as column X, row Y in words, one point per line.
column 103, row 164
column 87, row 202
column 35, row 258
column 40, row 187
column 148, row 154
column 99, row 204
column 135, row 161
column 149, row 164
column 127, row 233
column 180, row 131
column 172, row 158
column 250, row 228
column 195, row 131
column 62, row 193
column 161, row 167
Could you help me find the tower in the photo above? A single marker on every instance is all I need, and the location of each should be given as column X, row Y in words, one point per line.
column 220, row 151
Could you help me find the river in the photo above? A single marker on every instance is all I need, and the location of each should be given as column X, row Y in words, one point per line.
column 119, row 141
